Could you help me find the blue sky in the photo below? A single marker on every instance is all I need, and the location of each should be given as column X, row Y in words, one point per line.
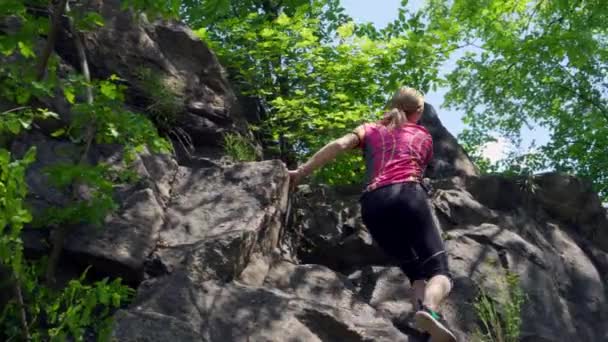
column 380, row 15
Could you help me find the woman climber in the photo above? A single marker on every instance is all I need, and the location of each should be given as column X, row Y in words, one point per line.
column 394, row 204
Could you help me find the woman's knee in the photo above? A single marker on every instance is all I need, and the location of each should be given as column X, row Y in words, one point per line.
column 413, row 270
column 436, row 265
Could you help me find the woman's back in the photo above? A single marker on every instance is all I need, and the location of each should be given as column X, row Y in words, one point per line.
column 395, row 155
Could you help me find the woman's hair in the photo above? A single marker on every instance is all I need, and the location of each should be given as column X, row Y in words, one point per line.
column 405, row 102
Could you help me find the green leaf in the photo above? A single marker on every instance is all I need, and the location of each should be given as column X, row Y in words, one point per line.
column 58, row 133
column 68, row 92
column 45, row 114
column 30, row 155
column 25, row 124
column 93, row 19
column 13, row 125
column 109, row 90
column 346, row 30
column 26, row 50
column 283, row 19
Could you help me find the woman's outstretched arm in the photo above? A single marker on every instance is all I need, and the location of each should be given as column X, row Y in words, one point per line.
column 326, row 154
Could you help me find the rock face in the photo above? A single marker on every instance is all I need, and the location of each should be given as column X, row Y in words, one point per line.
column 494, row 227
column 211, row 311
column 222, row 252
column 169, row 73
column 449, row 158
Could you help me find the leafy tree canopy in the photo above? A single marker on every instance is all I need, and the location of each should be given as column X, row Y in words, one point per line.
column 318, row 73
column 531, row 62
column 536, row 62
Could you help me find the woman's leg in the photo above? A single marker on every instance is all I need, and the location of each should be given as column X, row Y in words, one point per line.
column 436, row 290
column 380, row 213
column 400, row 221
column 427, row 244
column 419, row 289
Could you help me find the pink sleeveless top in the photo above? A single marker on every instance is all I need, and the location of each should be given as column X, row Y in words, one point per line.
column 395, row 155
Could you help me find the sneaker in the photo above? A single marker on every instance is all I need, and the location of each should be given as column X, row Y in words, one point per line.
column 406, row 324
column 431, row 321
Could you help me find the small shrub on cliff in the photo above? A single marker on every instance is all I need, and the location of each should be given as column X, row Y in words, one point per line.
column 165, row 104
column 239, row 147
column 500, row 322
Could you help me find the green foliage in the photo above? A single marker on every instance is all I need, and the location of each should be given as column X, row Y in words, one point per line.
column 114, row 124
column 67, row 314
column 54, row 315
column 98, row 204
column 82, row 306
column 538, row 62
column 317, row 72
column 166, row 105
column 38, row 312
column 473, row 141
column 239, row 147
column 19, row 119
column 13, row 214
column 500, row 322
column 166, row 9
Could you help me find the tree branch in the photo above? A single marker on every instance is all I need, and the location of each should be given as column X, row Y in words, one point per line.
column 599, row 106
column 603, row 111
column 22, row 313
column 59, row 236
column 84, row 66
column 50, row 42
column 15, row 109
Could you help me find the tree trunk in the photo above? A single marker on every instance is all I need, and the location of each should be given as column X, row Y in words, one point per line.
column 60, row 233
column 22, row 313
column 52, row 38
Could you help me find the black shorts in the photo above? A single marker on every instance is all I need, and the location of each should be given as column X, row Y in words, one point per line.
column 400, row 220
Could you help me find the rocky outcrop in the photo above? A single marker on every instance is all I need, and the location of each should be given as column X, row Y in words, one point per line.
column 214, row 294
column 493, row 227
column 222, row 251
column 170, row 74
column 183, row 306
column 449, row 158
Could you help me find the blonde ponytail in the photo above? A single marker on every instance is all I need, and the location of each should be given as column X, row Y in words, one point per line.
column 394, row 118
column 405, row 102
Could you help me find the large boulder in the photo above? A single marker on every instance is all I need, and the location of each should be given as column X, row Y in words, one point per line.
column 327, row 229
column 127, row 237
column 494, row 228
column 171, row 75
column 227, row 215
column 221, row 220
column 449, row 158
column 315, row 308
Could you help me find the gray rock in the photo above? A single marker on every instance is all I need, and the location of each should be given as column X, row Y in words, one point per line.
column 219, row 219
column 387, row 289
column 124, row 242
column 314, row 283
column 151, row 327
column 327, row 229
column 449, row 158
column 197, row 98
column 49, row 152
column 234, row 312
column 573, row 201
column 269, row 315
column 121, row 246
